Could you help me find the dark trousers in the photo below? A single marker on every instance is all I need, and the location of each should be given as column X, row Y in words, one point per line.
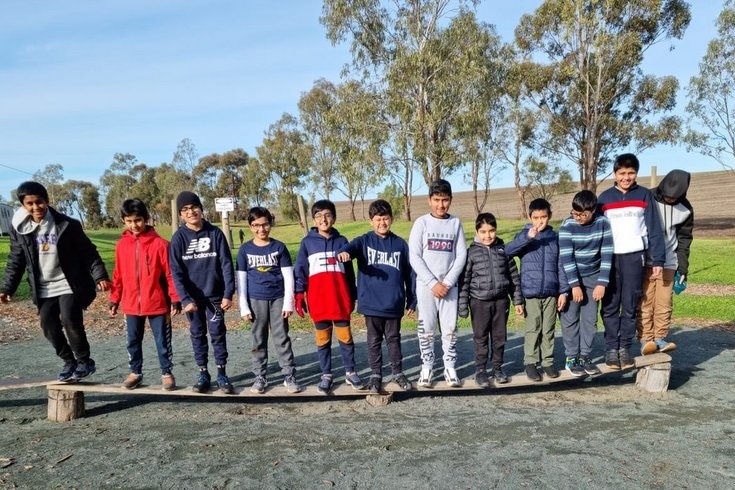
column 390, row 328
column 161, row 328
column 347, row 348
column 620, row 303
column 208, row 317
column 62, row 314
column 489, row 320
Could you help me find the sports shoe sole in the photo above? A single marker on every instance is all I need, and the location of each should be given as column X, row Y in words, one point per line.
column 649, row 348
column 668, row 347
column 355, row 386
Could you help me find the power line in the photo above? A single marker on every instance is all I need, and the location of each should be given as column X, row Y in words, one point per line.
column 16, row 169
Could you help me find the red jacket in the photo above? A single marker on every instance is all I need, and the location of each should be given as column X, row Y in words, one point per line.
column 141, row 280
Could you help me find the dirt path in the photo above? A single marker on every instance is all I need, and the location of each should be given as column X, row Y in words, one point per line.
column 596, row 433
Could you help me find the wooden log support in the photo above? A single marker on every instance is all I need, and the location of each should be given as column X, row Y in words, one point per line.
column 64, row 406
column 654, row 378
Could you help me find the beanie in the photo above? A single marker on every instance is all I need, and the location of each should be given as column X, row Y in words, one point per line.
column 187, row 198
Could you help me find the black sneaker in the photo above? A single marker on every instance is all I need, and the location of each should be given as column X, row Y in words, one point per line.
column 532, row 373
column 612, row 360
column 67, row 372
column 550, row 371
column 204, row 382
column 325, row 384
column 401, row 380
column 575, row 369
column 374, row 384
column 500, row 376
column 589, row 366
column 626, row 360
column 84, row 369
column 224, row 384
column 481, row 379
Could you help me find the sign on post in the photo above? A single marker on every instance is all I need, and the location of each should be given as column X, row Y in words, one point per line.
column 224, row 204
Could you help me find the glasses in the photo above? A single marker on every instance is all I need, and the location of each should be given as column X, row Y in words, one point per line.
column 190, row 209
column 321, row 216
column 261, row 226
column 582, row 215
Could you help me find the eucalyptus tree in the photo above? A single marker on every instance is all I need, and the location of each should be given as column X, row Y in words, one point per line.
column 314, row 109
column 583, row 73
column 116, row 182
column 82, row 199
column 52, row 178
column 221, row 175
column 711, row 104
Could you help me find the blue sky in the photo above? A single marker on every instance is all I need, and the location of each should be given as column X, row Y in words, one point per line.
column 81, row 80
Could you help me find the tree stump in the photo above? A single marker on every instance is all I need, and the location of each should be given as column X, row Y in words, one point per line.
column 379, row 400
column 654, row 378
column 64, row 406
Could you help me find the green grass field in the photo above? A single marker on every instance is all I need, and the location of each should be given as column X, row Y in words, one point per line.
column 709, row 262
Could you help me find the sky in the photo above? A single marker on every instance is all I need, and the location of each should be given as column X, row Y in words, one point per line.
column 81, row 80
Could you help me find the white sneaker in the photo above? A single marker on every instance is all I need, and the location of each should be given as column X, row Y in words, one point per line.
column 450, row 376
column 425, row 378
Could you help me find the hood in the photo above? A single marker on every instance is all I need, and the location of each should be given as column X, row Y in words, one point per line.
column 675, row 185
column 23, row 221
column 147, row 235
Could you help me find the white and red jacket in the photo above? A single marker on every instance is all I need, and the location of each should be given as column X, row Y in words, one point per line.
column 141, row 281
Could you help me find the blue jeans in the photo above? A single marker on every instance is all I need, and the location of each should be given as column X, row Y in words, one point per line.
column 161, row 328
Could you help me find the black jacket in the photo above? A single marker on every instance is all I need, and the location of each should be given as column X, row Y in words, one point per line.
column 78, row 258
column 489, row 273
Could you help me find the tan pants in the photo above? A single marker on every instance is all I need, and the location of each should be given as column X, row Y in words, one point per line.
column 654, row 310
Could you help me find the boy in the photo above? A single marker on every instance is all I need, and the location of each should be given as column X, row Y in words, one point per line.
column 437, row 255
column 677, row 220
column 265, row 293
column 328, row 287
column 636, row 228
column 63, row 267
column 143, row 288
column 385, row 290
column 586, row 250
column 201, row 266
column 490, row 278
column 543, row 286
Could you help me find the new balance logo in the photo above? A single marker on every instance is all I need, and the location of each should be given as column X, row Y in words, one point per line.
column 199, row 245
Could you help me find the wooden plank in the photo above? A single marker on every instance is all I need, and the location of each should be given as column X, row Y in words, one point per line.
column 12, row 384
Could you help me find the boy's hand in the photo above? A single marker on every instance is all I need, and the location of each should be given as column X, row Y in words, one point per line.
column 463, row 313
column 190, row 308
column 247, row 317
column 343, row 257
column 577, row 294
column 409, row 313
column 561, row 302
column 440, row 290
column 112, row 309
column 175, row 308
column 104, row 285
column 226, row 304
column 682, row 278
column 598, row 293
column 286, row 313
column 519, row 310
column 532, row 232
column 300, row 303
column 4, row 298
column 657, row 271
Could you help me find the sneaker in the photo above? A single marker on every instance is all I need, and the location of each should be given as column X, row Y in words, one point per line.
column 259, row 385
column 450, row 376
column 481, row 379
column 168, row 382
column 550, row 371
column 224, row 385
column 374, row 384
column 532, row 373
column 664, row 345
column 84, row 369
column 612, row 360
column 292, row 386
column 649, row 347
column 425, row 377
column 132, row 381
column 67, row 372
column 626, row 360
column 401, row 380
column 575, row 369
column 325, row 384
column 355, row 381
column 500, row 376
column 203, row 382
column 589, row 366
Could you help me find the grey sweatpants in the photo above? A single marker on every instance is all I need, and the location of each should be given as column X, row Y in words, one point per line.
column 431, row 311
column 267, row 315
column 579, row 321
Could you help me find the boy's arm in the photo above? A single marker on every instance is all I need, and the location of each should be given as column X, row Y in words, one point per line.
column 242, row 283
column 85, row 248
column 416, row 255
column 460, row 257
column 288, row 289
column 515, row 282
column 656, row 241
column 566, row 257
column 301, row 270
column 228, row 271
column 684, row 237
column 14, row 268
column 463, row 303
column 515, row 247
column 606, row 253
column 178, row 271
column 354, row 249
column 116, row 288
column 172, row 294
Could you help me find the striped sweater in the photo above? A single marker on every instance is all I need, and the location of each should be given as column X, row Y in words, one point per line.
column 585, row 250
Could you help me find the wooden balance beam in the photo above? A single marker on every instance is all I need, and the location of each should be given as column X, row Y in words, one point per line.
column 66, row 400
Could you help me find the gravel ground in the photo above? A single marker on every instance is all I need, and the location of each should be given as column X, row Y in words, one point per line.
column 596, row 433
